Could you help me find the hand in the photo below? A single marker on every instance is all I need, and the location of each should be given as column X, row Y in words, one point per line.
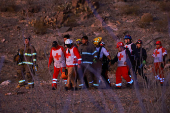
column 125, row 63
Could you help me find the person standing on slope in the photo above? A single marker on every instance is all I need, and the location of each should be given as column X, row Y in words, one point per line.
column 57, row 55
column 122, row 58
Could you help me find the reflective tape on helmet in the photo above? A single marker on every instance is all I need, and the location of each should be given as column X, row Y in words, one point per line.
column 34, row 53
column 30, row 83
column 86, row 62
column 120, row 84
column 21, row 81
column 130, row 81
column 28, row 54
column 34, row 60
column 95, row 84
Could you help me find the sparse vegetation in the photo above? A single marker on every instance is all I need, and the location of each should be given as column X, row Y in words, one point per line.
column 145, row 20
column 8, row 6
column 40, row 26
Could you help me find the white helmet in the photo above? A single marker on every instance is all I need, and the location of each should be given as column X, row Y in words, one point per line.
column 68, row 41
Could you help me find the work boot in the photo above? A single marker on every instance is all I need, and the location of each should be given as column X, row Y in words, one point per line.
column 30, row 86
column 66, row 88
column 118, row 87
column 20, row 85
column 54, row 87
column 74, row 88
column 129, row 85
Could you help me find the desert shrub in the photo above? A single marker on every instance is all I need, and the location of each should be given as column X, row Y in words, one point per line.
column 40, row 27
column 164, row 6
column 127, row 9
column 145, row 20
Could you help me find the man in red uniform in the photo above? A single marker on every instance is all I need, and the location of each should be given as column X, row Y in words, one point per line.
column 57, row 55
column 159, row 55
column 122, row 69
column 73, row 58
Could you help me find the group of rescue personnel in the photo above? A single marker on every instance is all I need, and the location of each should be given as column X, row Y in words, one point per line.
column 85, row 64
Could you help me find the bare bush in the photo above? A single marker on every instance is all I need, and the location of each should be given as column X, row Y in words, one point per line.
column 145, row 20
column 9, row 6
column 40, row 26
column 161, row 25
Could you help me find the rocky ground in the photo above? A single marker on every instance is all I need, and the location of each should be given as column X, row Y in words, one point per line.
column 47, row 21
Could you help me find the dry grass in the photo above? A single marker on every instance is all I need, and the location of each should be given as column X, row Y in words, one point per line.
column 40, row 27
column 129, row 10
column 164, row 6
column 145, row 20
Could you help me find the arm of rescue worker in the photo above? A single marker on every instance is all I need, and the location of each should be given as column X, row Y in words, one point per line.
column 129, row 55
column 77, row 54
column 144, row 55
column 50, row 59
column 134, row 52
column 34, row 55
column 114, row 60
column 63, row 50
column 106, row 53
column 164, row 55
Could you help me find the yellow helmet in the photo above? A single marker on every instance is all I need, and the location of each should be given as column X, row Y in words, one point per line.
column 78, row 41
column 97, row 40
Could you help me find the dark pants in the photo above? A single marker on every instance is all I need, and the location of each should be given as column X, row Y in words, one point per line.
column 140, row 72
column 104, row 73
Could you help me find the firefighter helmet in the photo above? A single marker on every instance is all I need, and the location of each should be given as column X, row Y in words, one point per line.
column 68, row 41
column 97, row 40
column 158, row 43
column 119, row 44
column 78, row 41
column 128, row 37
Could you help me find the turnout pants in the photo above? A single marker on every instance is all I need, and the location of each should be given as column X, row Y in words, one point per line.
column 158, row 72
column 122, row 71
column 25, row 70
column 71, row 77
column 87, row 71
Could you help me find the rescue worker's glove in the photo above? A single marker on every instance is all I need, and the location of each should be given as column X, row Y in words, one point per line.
column 94, row 60
column 143, row 63
column 35, row 67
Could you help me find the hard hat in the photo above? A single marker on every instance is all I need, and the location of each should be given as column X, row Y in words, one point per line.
column 68, row 41
column 119, row 44
column 78, row 41
column 128, row 37
column 97, row 40
column 158, row 43
column 139, row 42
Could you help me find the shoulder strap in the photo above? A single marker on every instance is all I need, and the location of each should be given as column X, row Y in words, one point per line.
column 98, row 56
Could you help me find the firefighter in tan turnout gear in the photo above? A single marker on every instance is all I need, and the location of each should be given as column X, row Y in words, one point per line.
column 26, row 60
